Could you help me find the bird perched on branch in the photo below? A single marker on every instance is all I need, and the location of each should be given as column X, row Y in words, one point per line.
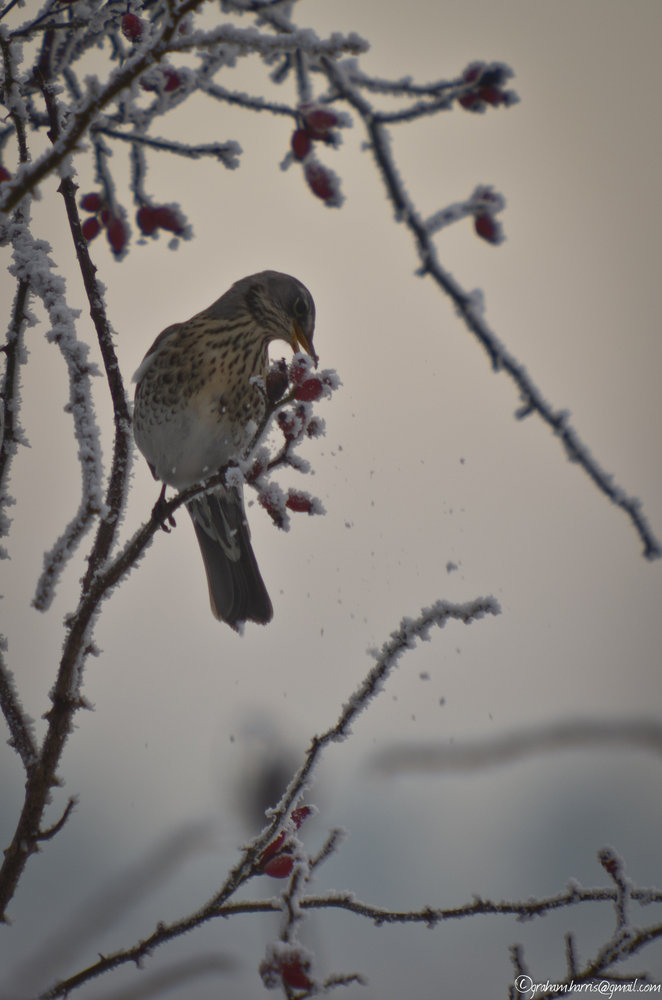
column 198, row 408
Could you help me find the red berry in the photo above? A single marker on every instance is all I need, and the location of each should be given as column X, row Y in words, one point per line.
column 117, row 234
column 91, row 228
column 279, row 867
column 145, row 217
column 473, row 72
column 172, row 80
column 288, row 424
column 322, row 182
column 487, row 228
column 276, row 381
column 132, row 27
column 310, row 390
column 277, row 514
column 300, row 370
column 492, row 95
column 91, row 202
column 293, row 972
column 300, row 144
column 273, row 847
column 299, row 814
column 300, row 503
column 4, row 174
column 319, row 122
column 470, row 102
column 168, row 218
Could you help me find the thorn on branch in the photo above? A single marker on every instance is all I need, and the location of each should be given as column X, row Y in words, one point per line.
column 55, row 829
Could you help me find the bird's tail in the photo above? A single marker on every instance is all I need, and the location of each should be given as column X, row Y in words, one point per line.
column 236, row 590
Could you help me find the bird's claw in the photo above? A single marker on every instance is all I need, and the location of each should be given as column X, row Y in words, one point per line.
column 162, row 514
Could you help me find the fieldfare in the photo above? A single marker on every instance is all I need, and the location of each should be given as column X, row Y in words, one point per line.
column 198, row 407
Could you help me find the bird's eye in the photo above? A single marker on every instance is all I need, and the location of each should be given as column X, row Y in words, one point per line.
column 300, row 308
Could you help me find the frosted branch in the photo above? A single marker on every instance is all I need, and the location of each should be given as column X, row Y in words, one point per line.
column 20, row 726
column 410, row 631
column 33, row 266
column 428, row 916
column 501, row 360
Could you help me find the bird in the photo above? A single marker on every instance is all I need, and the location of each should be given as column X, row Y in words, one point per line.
column 199, row 404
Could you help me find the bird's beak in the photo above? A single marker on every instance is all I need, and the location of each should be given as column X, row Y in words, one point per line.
column 302, row 341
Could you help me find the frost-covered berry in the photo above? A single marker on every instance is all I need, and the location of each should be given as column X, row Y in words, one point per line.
column 294, row 972
column 277, row 381
column 299, row 814
column 146, row 220
column 91, row 228
column 300, row 144
column 279, row 866
column 473, row 72
column 300, row 368
column 165, row 79
column 471, row 101
column 299, row 502
column 487, row 228
column 169, row 218
column 118, row 235
column 172, row 80
column 492, row 95
column 273, row 502
column 132, row 27
column 323, row 183
column 286, row 964
column 319, row 121
column 310, row 390
column 91, row 202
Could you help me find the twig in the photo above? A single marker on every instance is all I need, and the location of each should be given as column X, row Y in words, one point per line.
column 409, row 631
column 20, row 726
column 500, row 358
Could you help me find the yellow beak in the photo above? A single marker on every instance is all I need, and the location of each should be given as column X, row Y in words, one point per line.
column 300, row 340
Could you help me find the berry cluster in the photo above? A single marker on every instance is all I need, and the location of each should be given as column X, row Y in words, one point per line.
column 299, row 385
column 482, row 84
column 159, row 78
column 317, row 124
column 117, row 231
column 151, row 218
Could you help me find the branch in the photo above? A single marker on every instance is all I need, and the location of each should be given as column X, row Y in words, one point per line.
column 404, row 638
column 428, row 916
column 88, row 109
column 226, row 152
column 467, row 308
column 10, row 431
column 20, row 726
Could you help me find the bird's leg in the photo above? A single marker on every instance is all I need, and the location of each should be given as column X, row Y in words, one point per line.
column 166, row 520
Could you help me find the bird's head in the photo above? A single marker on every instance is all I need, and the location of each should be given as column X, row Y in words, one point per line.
column 283, row 307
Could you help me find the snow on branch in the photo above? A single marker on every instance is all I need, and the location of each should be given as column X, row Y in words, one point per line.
column 32, row 264
column 20, row 725
column 286, row 818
